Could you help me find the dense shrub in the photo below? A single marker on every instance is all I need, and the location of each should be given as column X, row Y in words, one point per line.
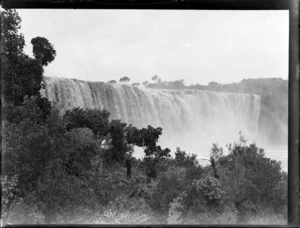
column 85, row 150
column 168, row 188
column 27, row 150
column 94, row 119
column 252, row 180
column 203, row 202
column 193, row 173
column 185, row 160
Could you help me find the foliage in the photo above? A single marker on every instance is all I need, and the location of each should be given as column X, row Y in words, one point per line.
column 63, row 194
column 124, row 79
column 17, row 67
column 147, row 138
column 183, row 159
column 52, row 166
column 27, row 110
column 85, row 150
column 45, row 106
column 58, row 169
column 192, row 167
column 156, row 79
column 167, row 189
column 43, row 51
column 201, row 202
column 26, row 145
column 252, row 180
column 94, row 119
column 22, row 75
column 117, row 141
column 193, row 173
column 13, row 42
column 135, row 84
column 159, row 84
column 109, row 133
column 112, row 81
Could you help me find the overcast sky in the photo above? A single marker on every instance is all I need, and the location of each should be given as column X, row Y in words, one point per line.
column 197, row 46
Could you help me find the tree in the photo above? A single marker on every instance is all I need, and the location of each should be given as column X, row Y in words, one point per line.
column 135, row 84
column 29, row 109
column 252, row 179
column 154, row 78
column 168, row 188
column 12, row 54
column 145, row 83
column 125, row 79
column 178, row 84
column 94, row 119
column 214, row 86
column 112, row 81
column 203, row 201
column 85, row 149
column 22, row 75
column 119, row 146
column 216, row 153
column 12, row 42
column 183, row 159
column 30, row 147
column 43, row 50
column 147, row 139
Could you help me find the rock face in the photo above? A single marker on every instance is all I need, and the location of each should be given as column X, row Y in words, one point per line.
column 191, row 119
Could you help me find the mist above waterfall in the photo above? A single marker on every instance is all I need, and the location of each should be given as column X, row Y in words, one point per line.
column 191, row 119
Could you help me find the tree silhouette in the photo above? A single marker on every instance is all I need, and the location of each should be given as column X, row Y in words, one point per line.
column 43, row 50
column 154, row 78
column 125, row 79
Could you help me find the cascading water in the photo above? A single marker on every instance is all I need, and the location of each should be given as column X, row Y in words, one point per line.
column 191, row 119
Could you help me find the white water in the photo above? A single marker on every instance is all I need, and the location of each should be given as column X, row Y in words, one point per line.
column 191, row 119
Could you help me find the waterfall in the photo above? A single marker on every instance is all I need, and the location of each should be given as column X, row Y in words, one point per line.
column 191, row 119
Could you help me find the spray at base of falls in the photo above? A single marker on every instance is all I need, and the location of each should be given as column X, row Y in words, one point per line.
column 191, row 119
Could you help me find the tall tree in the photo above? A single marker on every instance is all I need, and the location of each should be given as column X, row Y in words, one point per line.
column 117, row 140
column 12, row 53
column 22, row 75
column 43, row 50
column 147, row 139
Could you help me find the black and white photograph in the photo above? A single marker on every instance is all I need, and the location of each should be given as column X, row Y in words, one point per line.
column 127, row 116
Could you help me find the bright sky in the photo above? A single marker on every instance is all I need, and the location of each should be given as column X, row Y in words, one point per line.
column 197, row 46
